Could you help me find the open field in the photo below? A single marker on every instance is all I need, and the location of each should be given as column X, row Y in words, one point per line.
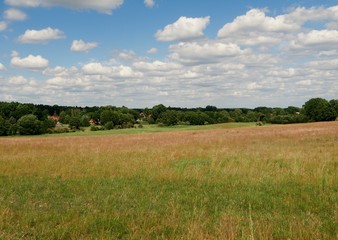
column 271, row 182
column 153, row 128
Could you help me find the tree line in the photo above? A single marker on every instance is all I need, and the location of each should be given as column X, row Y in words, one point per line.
column 32, row 119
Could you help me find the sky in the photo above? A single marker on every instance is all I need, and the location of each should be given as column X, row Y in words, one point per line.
column 180, row 53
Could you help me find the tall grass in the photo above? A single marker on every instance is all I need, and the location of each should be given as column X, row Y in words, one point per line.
column 274, row 182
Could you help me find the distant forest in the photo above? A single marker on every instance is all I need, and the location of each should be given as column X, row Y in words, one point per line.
column 32, row 119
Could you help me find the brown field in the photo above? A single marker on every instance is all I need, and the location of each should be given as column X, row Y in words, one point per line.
column 303, row 145
column 285, row 174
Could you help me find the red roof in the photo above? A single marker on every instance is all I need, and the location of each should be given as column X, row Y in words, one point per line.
column 55, row 118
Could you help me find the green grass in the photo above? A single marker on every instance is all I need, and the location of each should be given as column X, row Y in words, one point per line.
column 274, row 182
column 154, row 128
column 95, row 208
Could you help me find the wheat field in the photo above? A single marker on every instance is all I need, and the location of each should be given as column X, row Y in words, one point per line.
column 270, row 182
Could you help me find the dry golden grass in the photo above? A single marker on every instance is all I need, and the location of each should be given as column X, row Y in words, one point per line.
column 255, row 163
column 306, row 151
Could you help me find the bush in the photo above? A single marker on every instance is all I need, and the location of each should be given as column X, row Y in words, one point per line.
column 109, row 125
column 96, row 128
column 48, row 124
column 29, row 125
column 58, row 130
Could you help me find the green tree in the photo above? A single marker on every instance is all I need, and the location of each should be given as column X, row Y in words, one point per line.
column 64, row 117
column 334, row 105
column 23, row 109
column 157, row 110
column 85, row 121
column 196, row 118
column 74, row 122
column 319, row 109
column 106, row 116
column 3, row 129
column 48, row 124
column 109, row 125
column 29, row 125
column 169, row 118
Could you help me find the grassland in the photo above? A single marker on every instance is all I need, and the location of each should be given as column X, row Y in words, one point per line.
column 272, row 182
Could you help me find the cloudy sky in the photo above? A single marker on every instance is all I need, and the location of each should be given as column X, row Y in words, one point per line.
column 185, row 53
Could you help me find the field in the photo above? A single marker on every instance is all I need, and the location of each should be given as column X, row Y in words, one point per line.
column 269, row 182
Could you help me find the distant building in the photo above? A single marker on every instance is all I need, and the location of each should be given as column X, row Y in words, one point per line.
column 55, row 118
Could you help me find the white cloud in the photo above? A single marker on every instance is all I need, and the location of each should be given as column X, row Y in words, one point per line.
column 324, row 64
column 13, row 14
column 183, row 29
column 3, row 25
column 18, row 80
column 81, row 46
column 157, row 66
column 263, row 60
column 149, row 3
column 322, row 39
column 60, row 71
column 104, row 6
column 152, row 51
column 95, row 69
column 121, row 71
column 256, row 20
column 332, row 25
column 193, row 52
column 41, row 36
column 30, row 62
column 64, row 82
column 302, row 15
column 2, row 67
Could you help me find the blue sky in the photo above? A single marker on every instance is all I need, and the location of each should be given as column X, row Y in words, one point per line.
column 186, row 53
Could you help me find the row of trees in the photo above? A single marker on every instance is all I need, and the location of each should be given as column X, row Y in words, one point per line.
column 28, row 119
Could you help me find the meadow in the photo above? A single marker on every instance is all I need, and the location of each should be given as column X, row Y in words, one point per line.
column 221, row 182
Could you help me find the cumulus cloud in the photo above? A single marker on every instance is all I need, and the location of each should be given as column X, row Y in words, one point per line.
column 29, row 62
column 323, row 64
column 149, row 3
column 256, row 20
column 121, row 71
column 193, row 52
column 104, row 6
column 301, row 15
column 13, row 14
column 152, row 51
column 259, row 61
column 18, row 80
column 81, row 46
column 3, row 25
column 156, row 66
column 2, row 67
column 322, row 39
column 183, row 29
column 41, row 36
column 60, row 71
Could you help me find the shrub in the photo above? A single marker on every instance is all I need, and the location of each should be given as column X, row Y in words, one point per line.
column 96, row 128
column 29, row 125
column 109, row 125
